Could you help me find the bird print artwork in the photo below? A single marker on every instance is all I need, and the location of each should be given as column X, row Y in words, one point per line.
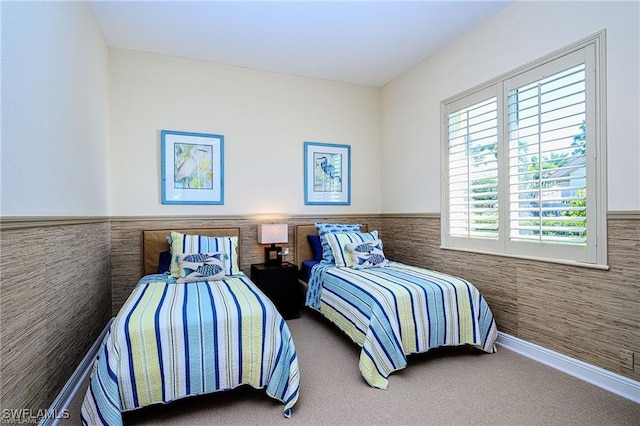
column 193, row 166
column 327, row 177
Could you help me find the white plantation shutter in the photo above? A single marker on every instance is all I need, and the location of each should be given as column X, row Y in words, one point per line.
column 547, row 160
column 522, row 172
column 473, row 171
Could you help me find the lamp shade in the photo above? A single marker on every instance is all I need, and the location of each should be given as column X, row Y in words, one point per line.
column 271, row 233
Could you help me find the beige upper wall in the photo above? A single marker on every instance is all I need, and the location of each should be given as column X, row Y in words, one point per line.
column 264, row 117
column 59, row 82
column 520, row 33
column 55, row 134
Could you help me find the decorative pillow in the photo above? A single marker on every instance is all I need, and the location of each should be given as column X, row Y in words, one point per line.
column 316, row 247
column 164, row 262
column 367, row 254
column 330, row 228
column 338, row 244
column 201, row 267
column 183, row 243
column 305, row 269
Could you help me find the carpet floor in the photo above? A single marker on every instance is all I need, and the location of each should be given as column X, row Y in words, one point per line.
column 452, row 386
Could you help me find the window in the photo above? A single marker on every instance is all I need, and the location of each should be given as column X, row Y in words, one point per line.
column 524, row 161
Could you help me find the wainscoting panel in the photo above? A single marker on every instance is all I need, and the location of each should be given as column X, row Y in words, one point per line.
column 56, row 299
column 588, row 314
column 60, row 283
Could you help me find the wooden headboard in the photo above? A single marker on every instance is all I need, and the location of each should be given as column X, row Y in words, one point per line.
column 155, row 241
column 303, row 248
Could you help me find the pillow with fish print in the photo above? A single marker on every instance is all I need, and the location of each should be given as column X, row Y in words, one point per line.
column 201, row 267
column 367, row 254
column 338, row 244
column 183, row 243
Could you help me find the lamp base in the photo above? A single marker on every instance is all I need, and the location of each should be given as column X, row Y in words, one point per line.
column 272, row 256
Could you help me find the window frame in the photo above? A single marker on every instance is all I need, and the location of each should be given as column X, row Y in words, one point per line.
column 594, row 254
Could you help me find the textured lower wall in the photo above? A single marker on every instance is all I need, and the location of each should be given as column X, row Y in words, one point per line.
column 59, row 285
column 55, row 299
column 588, row 314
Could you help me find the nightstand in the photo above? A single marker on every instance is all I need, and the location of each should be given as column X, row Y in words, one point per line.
column 280, row 284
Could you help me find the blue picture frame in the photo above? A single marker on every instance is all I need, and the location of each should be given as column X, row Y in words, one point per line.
column 192, row 168
column 327, row 174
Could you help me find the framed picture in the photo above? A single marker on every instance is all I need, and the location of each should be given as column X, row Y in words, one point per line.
column 192, row 168
column 327, row 173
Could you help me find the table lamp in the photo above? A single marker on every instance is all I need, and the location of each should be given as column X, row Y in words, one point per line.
column 272, row 233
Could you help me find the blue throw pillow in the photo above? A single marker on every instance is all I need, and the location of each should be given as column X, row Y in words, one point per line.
column 305, row 269
column 164, row 262
column 316, row 247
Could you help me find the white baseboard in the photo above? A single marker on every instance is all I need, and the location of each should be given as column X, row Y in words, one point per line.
column 72, row 387
column 600, row 377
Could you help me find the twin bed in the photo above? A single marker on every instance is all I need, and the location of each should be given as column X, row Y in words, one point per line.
column 389, row 309
column 187, row 332
column 173, row 340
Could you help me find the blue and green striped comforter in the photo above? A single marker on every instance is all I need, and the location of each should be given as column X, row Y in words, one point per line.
column 398, row 310
column 170, row 341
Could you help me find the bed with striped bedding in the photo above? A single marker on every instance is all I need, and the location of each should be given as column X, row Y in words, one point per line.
column 171, row 341
column 398, row 310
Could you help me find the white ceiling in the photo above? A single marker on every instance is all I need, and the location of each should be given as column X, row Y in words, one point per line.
column 363, row 42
